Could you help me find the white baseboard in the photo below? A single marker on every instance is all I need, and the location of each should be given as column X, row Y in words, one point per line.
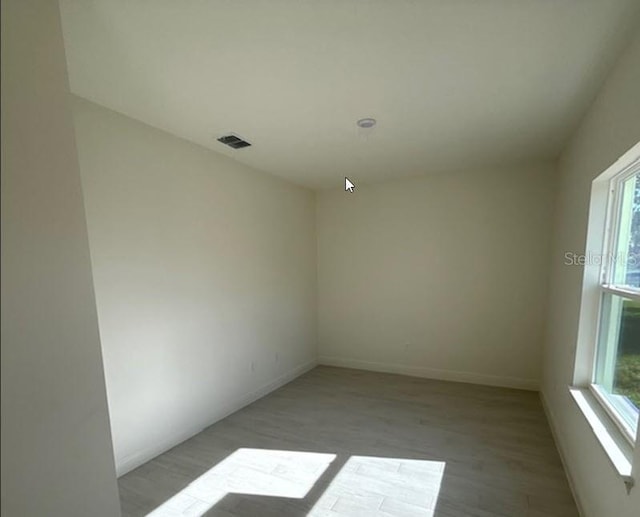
column 432, row 373
column 556, row 438
column 128, row 464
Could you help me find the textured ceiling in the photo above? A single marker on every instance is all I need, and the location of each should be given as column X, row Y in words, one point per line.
column 453, row 83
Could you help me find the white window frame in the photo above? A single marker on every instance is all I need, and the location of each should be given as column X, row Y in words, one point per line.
column 603, row 235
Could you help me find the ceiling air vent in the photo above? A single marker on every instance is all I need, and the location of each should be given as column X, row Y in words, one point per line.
column 233, row 141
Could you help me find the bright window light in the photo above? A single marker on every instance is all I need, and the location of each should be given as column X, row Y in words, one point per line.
column 365, row 485
column 616, row 372
column 382, row 486
column 249, row 471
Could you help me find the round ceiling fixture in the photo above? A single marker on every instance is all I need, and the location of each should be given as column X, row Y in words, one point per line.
column 366, row 123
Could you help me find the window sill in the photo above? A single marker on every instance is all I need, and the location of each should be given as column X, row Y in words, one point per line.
column 615, row 445
column 619, row 410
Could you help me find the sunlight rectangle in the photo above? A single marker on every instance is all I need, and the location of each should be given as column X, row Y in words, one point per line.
column 379, row 487
column 249, row 471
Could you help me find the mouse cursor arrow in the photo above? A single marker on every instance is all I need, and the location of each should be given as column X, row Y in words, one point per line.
column 348, row 185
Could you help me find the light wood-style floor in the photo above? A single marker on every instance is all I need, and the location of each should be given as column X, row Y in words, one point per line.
column 339, row 442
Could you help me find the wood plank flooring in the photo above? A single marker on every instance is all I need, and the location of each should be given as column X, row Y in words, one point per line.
column 338, row 442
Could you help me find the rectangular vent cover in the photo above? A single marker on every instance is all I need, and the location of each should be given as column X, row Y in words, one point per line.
column 233, row 141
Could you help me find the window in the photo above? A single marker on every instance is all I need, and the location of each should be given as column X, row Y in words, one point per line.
column 616, row 370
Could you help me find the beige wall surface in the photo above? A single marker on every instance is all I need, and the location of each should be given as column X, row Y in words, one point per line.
column 611, row 127
column 442, row 276
column 205, row 279
column 57, row 458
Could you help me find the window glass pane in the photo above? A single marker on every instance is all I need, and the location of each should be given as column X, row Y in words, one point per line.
column 626, row 258
column 617, row 370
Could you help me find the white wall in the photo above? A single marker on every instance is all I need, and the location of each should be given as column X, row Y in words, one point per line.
column 610, row 128
column 201, row 267
column 56, row 446
column 442, row 276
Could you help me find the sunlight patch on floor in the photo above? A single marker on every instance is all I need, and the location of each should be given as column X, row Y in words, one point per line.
column 382, row 487
column 249, row 471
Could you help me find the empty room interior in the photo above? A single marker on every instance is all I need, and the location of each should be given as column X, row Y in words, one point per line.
column 320, row 258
